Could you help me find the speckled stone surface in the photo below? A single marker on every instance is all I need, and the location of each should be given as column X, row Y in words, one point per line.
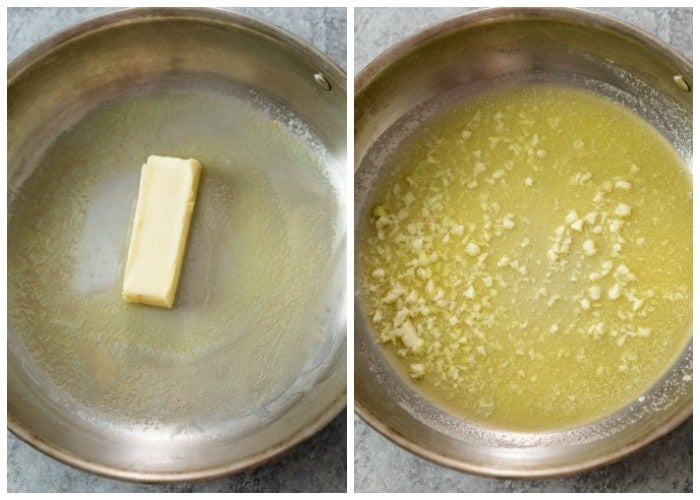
column 318, row 464
column 380, row 465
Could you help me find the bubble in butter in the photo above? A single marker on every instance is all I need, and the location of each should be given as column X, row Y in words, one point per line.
column 530, row 266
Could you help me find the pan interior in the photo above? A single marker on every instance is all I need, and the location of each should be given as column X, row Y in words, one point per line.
column 383, row 396
column 254, row 322
column 413, row 268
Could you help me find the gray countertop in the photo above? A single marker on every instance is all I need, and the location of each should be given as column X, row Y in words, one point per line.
column 380, row 465
column 318, row 464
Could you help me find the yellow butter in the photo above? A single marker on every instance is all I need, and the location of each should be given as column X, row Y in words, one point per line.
column 555, row 289
column 167, row 193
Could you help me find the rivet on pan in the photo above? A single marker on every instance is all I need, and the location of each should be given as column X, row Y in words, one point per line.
column 681, row 83
column 322, row 82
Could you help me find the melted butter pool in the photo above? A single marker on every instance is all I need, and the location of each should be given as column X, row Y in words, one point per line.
column 248, row 314
column 530, row 266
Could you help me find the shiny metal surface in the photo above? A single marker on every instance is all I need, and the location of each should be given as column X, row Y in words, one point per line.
column 52, row 88
column 419, row 77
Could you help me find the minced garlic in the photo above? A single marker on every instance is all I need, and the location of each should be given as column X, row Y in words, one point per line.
column 531, row 306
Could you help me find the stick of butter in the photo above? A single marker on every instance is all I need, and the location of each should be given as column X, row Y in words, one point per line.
column 167, row 193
